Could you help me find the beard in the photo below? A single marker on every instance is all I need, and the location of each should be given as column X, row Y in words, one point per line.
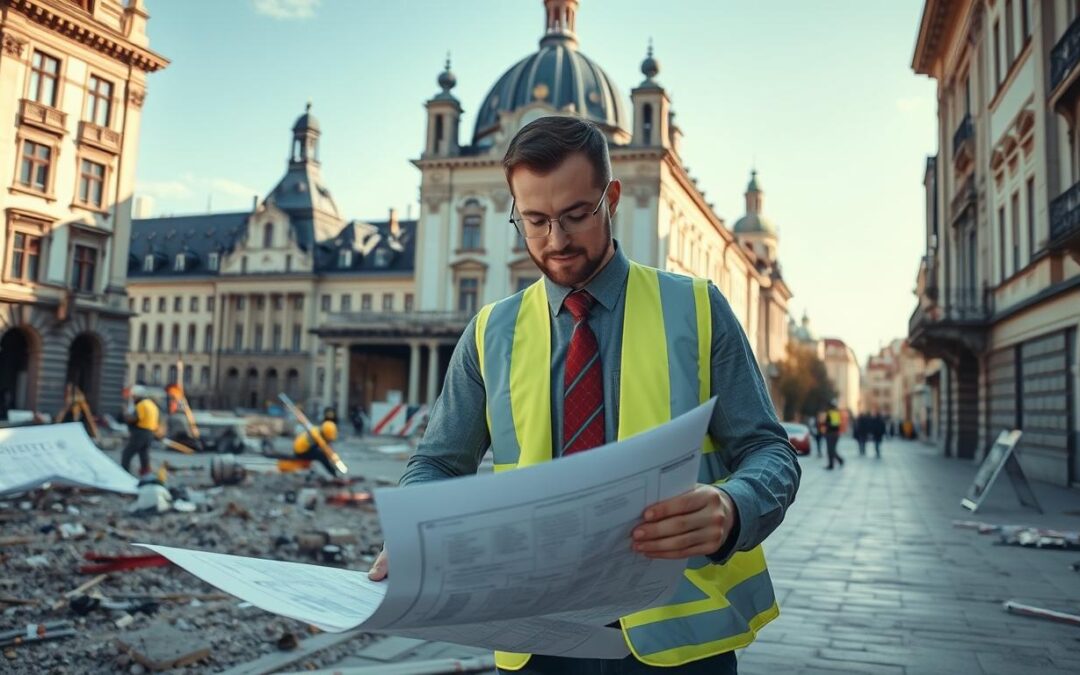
column 575, row 272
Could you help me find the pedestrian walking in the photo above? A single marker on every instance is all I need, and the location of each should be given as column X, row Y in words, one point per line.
column 861, row 431
column 818, row 426
column 592, row 307
column 833, row 420
column 143, row 419
column 877, row 430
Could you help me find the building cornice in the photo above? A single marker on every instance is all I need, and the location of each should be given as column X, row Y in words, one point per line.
column 932, row 34
column 89, row 33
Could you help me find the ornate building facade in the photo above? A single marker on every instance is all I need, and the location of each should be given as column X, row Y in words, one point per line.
column 998, row 289
column 72, row 82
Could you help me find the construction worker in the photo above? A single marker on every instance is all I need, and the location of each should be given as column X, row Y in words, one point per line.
column 144, row 421
column 306, row 448
column 599, row 349
column 833, row 421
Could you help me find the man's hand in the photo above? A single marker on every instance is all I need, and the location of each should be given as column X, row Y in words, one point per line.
column 380, row 568
column 697, row 522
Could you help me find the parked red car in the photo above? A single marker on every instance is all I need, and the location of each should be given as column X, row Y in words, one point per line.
column 799, row 435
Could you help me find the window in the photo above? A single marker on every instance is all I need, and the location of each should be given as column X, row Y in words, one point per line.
column 161, row 305
column 275, row 338
column 258, row 337
column 298, row 302
column 191, row 337
column 92, row 184
column 268, row 235
column 646, row 124
column 99, row 101
column 240, row 302
column 44, row 75
column 238, row 337
column 278, row 303
column 142, row 338
column 288, row 263
column 1001, row 242
column 178, row 304
column 193, row 304
column 260, row 302
column 408, row 302
column 346, row 303
column 1010, row 41
column 140, row 373
column 365, row 302
column 187, row 375
column 208, row 339
column 174, row 342
column 84, row 265
column 156, row 377
column 148, row 263
column 35, row 166
column 468, row 290
column 344, row 258
column 997, row 53
column 1030, row 211
column 159, row 338
column 204, row 375
column 297, row 332
column 146, row 305
column 470, row 233
column 210, row 303
column 388, row 302
column 212, row 261
column 25, row 257
column 324, row 303
column 179, row 265
column 1015, row 232
column 172, row 374
column 1025, row 18
column 243, row 265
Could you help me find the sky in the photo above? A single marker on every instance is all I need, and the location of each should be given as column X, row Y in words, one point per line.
column 819, row 96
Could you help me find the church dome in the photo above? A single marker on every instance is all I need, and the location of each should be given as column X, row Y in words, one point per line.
column 754, row 222
column 306, row 122
column 557, row 75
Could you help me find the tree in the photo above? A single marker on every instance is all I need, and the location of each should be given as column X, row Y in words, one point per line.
column 803, row 383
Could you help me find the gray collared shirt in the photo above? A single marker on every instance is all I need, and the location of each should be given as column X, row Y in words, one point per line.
column 750, row 440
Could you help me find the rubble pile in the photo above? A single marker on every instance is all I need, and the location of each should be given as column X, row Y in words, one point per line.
column 77, row 597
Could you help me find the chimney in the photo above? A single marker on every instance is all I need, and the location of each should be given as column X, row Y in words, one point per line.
column 395, row 226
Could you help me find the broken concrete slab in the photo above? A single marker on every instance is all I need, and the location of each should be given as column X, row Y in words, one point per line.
column 161, row 647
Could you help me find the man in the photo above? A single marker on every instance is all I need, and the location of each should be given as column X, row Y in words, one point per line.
column 306, row 446
column 877, row 428
column 833, row 420
column 629, row 348
column 144, row 422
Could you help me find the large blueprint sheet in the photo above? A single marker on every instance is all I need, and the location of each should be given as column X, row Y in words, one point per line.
column 537, row 560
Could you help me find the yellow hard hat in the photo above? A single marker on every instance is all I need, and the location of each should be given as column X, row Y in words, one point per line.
column 329, row 430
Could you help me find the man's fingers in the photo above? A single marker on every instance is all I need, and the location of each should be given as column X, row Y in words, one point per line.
column 668, row 527
column 380, row 567
column 687, row 502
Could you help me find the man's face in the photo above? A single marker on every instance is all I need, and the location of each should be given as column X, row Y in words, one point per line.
column 570, row 190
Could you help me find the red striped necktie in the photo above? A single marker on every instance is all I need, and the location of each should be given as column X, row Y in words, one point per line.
column 583, row 383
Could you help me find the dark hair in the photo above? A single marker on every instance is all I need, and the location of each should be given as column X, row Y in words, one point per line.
column 543, row 144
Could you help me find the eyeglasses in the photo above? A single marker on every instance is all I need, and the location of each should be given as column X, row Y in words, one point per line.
column 539, row 226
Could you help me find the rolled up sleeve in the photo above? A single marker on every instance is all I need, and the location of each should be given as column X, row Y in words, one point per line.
column 754, row 447
column 456, row 437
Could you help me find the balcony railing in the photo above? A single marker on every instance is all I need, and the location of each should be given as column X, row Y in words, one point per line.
column 100, row 137
column 957, row 307
column 1065, row 55
column 397, row 318
column 43, row 116
column 1065, row 215
column 964, row 132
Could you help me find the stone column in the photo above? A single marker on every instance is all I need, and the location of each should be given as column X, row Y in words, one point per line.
column 413, row 396
column 327, row 393
column 286, row 323
column 268, row 317
column 343, row 386
column 432, row 372
column 249, row 321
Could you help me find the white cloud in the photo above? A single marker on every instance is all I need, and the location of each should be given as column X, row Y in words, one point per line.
column 286, row 9
column 191, row 193
column 164, row 189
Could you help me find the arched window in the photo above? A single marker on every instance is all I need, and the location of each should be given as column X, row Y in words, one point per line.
column 159, row 338
column 472, row 221
column 646, row 124
column 142, row 338
column 268, row 235
column 155, row 378
column 140, row 373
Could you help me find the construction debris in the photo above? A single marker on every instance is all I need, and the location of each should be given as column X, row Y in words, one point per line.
column 162, row 647
column 1014, row 607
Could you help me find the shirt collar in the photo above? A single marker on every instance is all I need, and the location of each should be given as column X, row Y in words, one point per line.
column 605, row 287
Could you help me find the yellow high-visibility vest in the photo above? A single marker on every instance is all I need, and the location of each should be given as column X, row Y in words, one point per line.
column 147, row 415
column 665, row 371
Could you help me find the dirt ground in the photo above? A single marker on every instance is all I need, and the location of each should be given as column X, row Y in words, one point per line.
column 39, row 564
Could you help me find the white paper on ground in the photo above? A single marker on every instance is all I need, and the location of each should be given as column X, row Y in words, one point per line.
column 34, row 455
column 537, row 560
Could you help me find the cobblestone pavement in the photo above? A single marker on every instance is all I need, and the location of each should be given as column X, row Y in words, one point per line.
column 872, row 577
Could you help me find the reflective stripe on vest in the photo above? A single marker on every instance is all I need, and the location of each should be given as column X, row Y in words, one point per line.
column 665, row 367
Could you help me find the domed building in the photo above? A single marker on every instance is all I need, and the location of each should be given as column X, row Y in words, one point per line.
column 468, row 251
